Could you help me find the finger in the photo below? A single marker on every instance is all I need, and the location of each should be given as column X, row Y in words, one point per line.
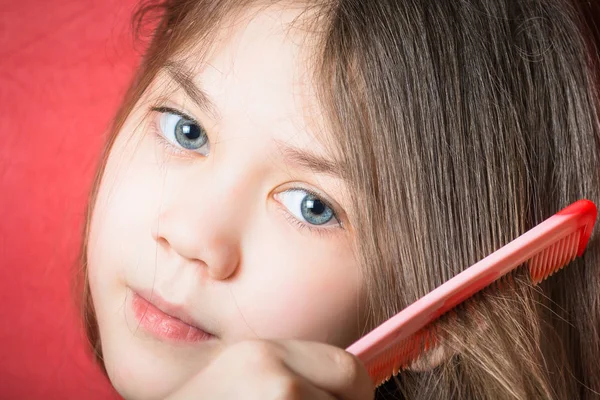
column 329, row 368
column 310, row 392
column 259, row 372
column 284, row 388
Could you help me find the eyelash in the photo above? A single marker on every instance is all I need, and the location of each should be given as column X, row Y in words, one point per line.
column 291, row 219
column 312, row 228
column 163, row 141
column 301, row 226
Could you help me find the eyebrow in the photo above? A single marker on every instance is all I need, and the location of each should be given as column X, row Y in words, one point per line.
column 306, row 160
column 184, row 78
column 291, row 155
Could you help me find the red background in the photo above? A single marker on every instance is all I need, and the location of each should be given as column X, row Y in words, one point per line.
column 64, row 66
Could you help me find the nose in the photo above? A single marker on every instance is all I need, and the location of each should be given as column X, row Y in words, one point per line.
column 202, row 232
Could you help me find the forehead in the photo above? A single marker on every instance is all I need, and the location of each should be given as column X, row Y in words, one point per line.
column 259, row 67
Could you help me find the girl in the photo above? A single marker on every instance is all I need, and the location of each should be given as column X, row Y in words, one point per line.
column 284, row 176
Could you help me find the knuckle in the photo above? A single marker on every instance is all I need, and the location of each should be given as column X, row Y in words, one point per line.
column 352, row 372
column 348, row 366
column 284, row 388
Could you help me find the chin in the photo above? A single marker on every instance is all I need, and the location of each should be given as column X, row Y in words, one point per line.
column 138, row 374
column 142, row 367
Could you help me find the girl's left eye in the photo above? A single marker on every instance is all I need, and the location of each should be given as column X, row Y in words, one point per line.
column 182, row 131
column 308, row 208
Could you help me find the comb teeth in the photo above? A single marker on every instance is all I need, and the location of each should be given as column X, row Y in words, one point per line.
column 401, row 355
column 553, row 258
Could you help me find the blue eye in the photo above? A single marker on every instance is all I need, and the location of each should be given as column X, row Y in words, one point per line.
column 183, row 132
column 307, row 207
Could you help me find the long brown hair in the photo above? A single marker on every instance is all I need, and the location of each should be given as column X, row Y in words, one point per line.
column 461, row 125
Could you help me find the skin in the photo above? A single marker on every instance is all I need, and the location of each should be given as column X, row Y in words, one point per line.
column 211, row 231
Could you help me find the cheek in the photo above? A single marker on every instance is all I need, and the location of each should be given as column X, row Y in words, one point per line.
column 125, row 208
column 310, row 295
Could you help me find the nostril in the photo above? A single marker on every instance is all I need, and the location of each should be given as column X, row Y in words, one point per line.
column 210, row 246
column 163, row 242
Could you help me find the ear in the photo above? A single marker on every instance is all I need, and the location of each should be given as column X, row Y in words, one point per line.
column 431, row 359
column 443, row 352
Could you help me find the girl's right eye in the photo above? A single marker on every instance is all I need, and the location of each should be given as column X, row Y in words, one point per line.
column 182, row 131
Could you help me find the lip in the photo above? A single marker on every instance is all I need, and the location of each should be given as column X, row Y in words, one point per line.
column 166, row 321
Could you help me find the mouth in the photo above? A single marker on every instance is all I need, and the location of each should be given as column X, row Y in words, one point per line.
column 166, row 321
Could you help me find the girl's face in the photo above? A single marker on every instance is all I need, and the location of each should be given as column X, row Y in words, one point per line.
column 228, row 216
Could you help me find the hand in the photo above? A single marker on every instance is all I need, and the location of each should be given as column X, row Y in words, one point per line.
column 285, row 369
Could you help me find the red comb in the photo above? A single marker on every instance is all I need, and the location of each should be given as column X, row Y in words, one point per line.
column 545, row 249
